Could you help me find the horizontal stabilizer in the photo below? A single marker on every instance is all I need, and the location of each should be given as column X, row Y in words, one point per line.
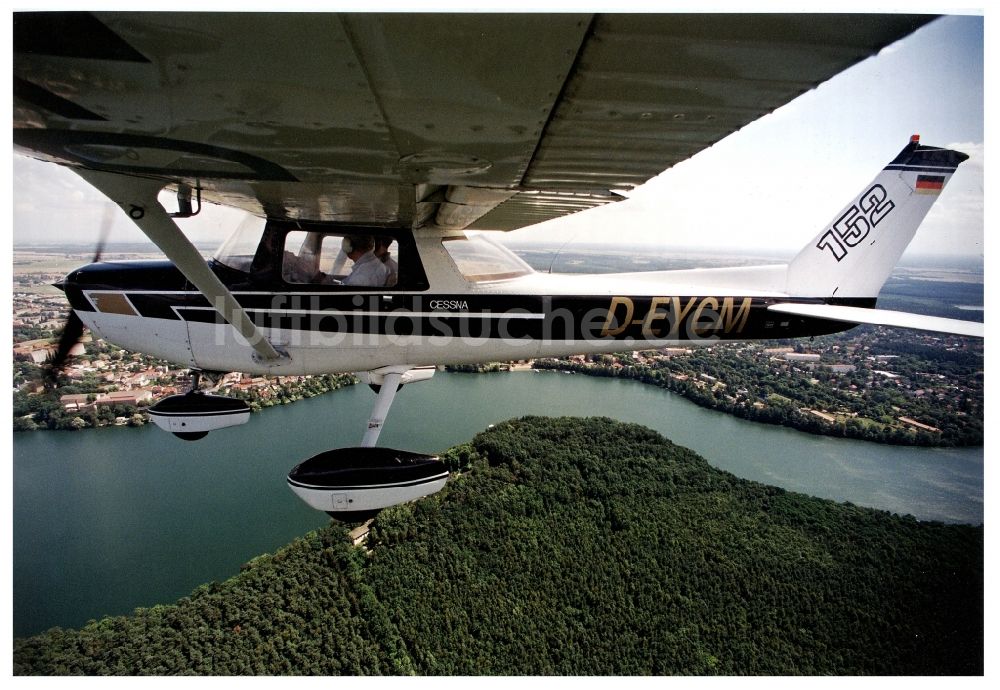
column 883, row 317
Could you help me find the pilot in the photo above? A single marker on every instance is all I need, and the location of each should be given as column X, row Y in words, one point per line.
column 368, row 271
column 381, row 251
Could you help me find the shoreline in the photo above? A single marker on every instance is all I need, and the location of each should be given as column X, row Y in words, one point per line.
column 807, row 415
column 819, row 423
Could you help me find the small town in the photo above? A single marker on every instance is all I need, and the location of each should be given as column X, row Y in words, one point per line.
column 104, row 385
column 870, row 383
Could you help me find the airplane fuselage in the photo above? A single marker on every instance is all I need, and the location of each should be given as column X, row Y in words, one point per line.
column 149, row 307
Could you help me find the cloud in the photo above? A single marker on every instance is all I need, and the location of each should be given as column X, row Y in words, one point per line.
column 954, row 225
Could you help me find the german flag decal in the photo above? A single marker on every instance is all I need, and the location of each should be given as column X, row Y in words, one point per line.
column 929, row 184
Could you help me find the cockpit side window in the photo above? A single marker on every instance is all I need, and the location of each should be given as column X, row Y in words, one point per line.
column 279, row 254
column 359, row 260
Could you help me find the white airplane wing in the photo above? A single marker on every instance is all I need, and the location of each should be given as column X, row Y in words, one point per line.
column 882, row 317
column 481, row 121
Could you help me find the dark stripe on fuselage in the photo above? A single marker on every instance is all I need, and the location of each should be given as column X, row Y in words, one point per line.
column 555, row 318
column 477, row 316
column 131, row 277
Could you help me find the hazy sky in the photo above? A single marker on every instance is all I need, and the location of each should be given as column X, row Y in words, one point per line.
column 769, row 187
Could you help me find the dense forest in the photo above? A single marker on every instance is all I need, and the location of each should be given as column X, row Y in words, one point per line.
column 573, row 546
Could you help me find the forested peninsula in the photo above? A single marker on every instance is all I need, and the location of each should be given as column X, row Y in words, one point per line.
column 573, row 546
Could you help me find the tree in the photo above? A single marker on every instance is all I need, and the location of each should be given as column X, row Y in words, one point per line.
column 24, row 424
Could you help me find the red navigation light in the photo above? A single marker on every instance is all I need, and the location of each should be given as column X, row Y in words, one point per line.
column 915, row 139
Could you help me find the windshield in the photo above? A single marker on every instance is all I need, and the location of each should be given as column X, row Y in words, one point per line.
column 241, row 246
column 480, row 259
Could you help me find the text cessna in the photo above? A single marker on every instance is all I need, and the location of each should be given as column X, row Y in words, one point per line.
column 677, row 317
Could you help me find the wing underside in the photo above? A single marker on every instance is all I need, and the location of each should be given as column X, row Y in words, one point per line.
column 489, row 121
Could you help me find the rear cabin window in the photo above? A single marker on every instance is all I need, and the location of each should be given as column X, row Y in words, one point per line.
column 480, row 259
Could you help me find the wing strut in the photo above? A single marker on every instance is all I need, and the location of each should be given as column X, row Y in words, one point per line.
column 138, row 198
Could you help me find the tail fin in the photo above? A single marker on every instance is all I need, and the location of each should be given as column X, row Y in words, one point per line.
column 855, row 254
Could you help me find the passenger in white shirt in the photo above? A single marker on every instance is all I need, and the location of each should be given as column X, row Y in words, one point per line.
column 368, row 270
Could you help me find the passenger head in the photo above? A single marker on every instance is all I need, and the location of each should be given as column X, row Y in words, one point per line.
column 356, row 245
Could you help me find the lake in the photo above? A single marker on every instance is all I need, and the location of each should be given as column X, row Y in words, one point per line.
column 106, row 520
